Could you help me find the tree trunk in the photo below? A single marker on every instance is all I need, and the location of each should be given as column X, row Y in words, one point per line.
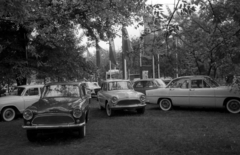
column 21, row 81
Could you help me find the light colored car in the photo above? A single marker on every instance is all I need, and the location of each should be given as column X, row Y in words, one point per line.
column 142, row 85
column 22, row 97
column 92, row 87
column 62, row 106
column 119, row 95
column 195, row 91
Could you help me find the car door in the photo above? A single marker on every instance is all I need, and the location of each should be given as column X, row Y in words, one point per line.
column 201, row 94
column 179, row 92
column 30, row 96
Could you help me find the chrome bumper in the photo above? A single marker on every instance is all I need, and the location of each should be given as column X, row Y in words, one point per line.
column 128, row 106
column 53, row 126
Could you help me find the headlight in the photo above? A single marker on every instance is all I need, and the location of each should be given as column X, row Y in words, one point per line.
column 114, row 99
column 142, row 98
column 77, row 113
column 27, row 114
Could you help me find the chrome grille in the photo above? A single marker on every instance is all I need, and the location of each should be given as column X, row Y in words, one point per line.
column 128, row 102
column 53, row 120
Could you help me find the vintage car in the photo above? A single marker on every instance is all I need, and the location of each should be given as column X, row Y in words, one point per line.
column 142, row 85
column 92, row 87
column 61, row 106
column 119, row 95
column 22, row 97
column 195, row 91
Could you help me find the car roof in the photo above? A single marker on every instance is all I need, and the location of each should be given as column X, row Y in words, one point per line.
column 64, row 83
column 192, row 77
column 150, row 79
column 30, row 86
column 113, row 80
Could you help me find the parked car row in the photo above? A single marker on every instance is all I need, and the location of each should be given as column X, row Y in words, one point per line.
column 66, row 105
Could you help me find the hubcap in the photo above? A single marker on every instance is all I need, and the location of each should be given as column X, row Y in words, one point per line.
column 8, row 115
column 234, row 106
column 165, row 104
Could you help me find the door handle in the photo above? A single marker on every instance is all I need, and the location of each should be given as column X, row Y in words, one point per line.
column 192, row 89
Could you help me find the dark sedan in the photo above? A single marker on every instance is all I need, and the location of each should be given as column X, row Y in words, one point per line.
column 61, row 106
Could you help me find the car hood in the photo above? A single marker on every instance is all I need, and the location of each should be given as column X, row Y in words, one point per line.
column 49, row 105
column 9, row 99
column 125, row 93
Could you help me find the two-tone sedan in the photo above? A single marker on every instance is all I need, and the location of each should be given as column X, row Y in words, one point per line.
column 119, row 95
column 61, row 106
column 195, row 91
column 22, row 97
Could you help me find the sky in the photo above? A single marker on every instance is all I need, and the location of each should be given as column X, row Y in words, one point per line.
column 133, row 33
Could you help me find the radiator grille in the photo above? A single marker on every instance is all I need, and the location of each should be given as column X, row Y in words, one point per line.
column 128, row 102
column 53, row 120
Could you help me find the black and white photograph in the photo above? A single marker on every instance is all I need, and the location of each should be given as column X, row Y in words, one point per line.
column 120, row 77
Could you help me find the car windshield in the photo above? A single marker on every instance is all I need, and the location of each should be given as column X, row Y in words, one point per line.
column 160, row 83
column 61, row 91
column 211, row 82
column 18, row 91
column 119, row 85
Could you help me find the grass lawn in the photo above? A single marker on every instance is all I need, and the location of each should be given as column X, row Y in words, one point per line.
column 180, row 131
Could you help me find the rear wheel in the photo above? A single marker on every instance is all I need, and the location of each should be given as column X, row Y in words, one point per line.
column 109, row 111
column 233, row 106
column 32, row 135
column 141, row 111
column 165, row 104
column 8, row 114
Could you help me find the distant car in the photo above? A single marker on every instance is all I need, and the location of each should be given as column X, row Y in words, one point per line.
column 93, row 87
column 119, row 95
column 195, row 91
column 142, row 85
column 61, row 106
column 22, row 97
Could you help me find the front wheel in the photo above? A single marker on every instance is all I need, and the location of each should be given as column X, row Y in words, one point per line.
column 233, row 106
column 141, row 111
column 8, row 114
column 165, row 104
column 32, row 135
column 109, row 111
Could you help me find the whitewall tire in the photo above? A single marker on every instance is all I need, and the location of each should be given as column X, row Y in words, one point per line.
column 165, row 104
column 8, row 114
column 233, row 106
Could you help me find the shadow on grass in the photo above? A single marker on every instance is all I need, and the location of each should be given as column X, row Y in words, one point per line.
column 56, row 138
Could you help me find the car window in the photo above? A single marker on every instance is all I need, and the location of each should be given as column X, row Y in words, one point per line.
column 32, row 92
column 199, row 83
column 179, row 83
column 138, row 84
column 211, row 82
column 150, row 84
column 104, row 87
